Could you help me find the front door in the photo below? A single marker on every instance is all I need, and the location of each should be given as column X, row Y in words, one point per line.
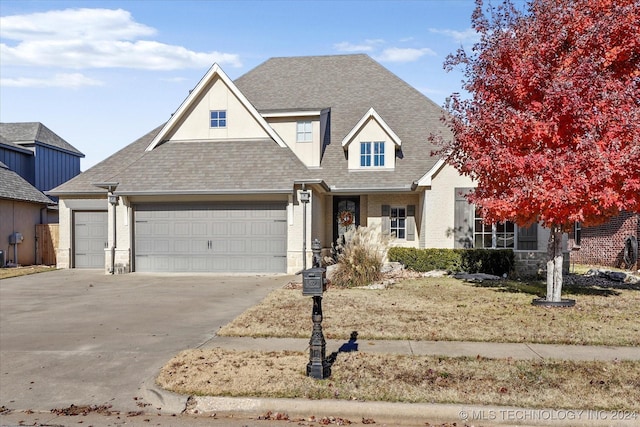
column 346, row 214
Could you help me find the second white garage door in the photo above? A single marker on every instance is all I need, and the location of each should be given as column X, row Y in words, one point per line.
column 220, row 238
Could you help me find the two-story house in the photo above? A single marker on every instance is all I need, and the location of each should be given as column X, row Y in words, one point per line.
column 217, row 188
column 33, row 159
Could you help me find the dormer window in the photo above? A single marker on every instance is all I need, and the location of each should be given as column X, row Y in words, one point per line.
column 372, row 153
column 218, row 119
column 304, row 131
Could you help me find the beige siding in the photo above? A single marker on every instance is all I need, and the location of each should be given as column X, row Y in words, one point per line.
column 374, row 204
column 372, row 131
column 438, row 208
column 63, row 251
column 217, row 96
column 307, row 152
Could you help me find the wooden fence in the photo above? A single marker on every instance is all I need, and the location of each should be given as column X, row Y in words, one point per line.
column 47, row 236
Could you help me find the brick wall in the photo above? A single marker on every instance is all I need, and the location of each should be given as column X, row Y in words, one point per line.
column 604, row 244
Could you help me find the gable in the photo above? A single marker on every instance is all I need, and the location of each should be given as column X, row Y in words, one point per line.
column 195, row 124
column 215, row 93
column 350, row 85
column 371, row 128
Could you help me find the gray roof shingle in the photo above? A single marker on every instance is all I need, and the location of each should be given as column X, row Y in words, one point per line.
column 14, row 187
column 350, row 85
column 347, row 84
column 31, row 132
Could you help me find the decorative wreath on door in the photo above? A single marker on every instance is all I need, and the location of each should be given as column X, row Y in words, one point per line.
column 345, row 218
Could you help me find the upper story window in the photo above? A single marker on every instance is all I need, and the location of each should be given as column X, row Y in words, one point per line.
column 218, row 119
column 372, row 153
column 304, row 131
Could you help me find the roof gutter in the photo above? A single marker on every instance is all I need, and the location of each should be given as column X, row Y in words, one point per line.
column 319, row 182
column 403, row 189
column 203, row 192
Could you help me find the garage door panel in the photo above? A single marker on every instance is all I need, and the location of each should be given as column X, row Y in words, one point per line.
column 90, row 239
column 161, row 228
column 223, row 237
column 220, row 229
column 237, row 247
column 238, row 229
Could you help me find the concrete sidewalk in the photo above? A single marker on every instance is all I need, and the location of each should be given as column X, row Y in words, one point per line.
column 408, row 414
column 440, row 348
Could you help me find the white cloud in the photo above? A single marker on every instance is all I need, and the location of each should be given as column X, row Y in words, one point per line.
column 367, row 46
column 468, row 35
column 74, row 80
column 92, row 24
column 350, row 47
column 95, row 38
column 396, row 54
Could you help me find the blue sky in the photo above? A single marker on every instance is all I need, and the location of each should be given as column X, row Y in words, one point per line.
column 103, row 73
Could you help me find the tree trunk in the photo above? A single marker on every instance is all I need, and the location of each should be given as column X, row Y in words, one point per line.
column 554, row 265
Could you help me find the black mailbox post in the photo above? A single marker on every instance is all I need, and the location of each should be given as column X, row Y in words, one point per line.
column 314, row 284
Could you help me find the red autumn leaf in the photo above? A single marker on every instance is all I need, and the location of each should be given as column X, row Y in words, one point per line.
column 551, row 132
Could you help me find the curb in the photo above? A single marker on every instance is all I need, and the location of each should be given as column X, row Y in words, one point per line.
column 161, row 399
column 411, row 413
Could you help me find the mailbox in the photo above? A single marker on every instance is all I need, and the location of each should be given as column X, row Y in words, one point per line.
column 313, row 282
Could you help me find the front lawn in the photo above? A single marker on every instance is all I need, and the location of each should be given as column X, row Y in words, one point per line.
column 445, row 309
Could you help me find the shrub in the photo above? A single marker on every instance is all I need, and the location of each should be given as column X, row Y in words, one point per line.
column 360, row 259
column 489, row 261
column 427, row 259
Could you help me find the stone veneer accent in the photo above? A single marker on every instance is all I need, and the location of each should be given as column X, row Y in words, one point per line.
column 534, row 263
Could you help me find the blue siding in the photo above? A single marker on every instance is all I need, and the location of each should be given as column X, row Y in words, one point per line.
column 53, row 167
column 20, row 163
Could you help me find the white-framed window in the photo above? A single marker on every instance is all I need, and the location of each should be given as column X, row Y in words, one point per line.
column 372, row 153
column 399, row 222
column 218, row 118
column 304, row 131
column 577, row 233
column 493, row 236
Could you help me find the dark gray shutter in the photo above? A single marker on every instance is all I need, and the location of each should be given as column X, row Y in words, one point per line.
column 411, row 223
column 463, row 220
column 528, row 238
column 386, row 219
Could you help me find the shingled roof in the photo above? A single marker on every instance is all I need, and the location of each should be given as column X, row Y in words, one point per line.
column 14, row 187
column 25, row 134
column 350, row 85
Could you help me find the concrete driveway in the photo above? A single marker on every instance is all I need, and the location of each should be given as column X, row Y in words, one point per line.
column 85, row 338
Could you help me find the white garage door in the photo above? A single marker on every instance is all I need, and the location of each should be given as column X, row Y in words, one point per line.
column 90, row 239
column 221, row 238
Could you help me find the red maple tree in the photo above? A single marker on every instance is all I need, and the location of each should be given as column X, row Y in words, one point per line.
column 551, row 130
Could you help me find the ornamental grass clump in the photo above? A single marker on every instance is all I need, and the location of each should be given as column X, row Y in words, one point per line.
column 361, row 258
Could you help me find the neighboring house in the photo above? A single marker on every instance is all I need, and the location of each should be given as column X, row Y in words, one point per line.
column 218, row 187
column 21, row 207
column 38, row 155
column 42, row 160
column 604, row 244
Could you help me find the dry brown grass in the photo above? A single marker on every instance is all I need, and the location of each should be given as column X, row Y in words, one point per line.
column 6, row 273
column 395, row 378
column 446, row 309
